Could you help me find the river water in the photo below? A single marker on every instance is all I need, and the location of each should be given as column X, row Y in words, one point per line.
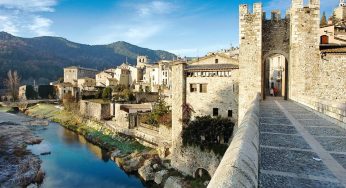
column 74, row 162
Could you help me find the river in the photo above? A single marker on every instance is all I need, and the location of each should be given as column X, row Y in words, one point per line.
column 74, row 162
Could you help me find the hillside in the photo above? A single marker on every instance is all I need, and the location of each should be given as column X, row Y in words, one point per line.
column 42, row 58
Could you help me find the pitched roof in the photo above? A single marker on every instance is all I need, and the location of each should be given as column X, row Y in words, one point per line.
column 211, row 67
column 75, row 67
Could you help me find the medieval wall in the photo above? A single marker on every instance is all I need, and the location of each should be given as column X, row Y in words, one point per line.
column 94, row 110
column 250, row 56
column 179, row 98
column 275, row 36
column 331, row 75
column 304, row 44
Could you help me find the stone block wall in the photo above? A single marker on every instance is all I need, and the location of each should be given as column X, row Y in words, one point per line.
column 193, row 158
column 94, row 110
column 179, row 98
column 239, row 165
column 304, row 47
column 165, row 132
column 331, row 78
column 222, row 93
column 120, row 117
column 250, row 56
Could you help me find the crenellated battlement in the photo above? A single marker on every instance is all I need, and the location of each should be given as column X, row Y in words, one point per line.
column 244, row 9
column 300, row 4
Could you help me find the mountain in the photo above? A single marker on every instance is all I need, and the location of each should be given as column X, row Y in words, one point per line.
column 43, row 58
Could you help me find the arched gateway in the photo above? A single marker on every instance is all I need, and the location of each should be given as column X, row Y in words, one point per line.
column 264, row 43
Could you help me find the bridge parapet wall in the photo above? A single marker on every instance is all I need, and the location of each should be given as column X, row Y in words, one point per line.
column 239, row 165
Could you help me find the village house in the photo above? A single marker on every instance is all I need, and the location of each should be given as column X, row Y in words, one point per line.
column 86, row 84
column 334, row 33
column 102, row 77
column 66, row 88
column 72, row 74
column 211, row 86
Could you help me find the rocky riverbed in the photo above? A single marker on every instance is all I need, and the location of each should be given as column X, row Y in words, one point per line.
column 18, row 166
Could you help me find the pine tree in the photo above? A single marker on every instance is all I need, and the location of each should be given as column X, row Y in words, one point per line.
column 324, row 20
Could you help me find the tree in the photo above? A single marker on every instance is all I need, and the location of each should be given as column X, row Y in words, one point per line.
column 12, row 83
column 324, row 20
column 107, row 93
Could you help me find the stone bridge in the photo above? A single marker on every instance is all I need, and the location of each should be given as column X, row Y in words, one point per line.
column 284, row 144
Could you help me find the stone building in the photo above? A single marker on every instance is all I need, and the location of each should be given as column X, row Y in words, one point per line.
column 66, row 88
column 340, row 12
column 313, row 71
column 72, row 74
column 210, row 86
column 86, row 84
column 102, row 77
column 335, row 31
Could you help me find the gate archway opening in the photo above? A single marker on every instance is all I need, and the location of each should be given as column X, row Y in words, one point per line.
column 275, row 76
column 202, row 174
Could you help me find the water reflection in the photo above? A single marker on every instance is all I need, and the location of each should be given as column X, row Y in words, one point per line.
column 73, row 161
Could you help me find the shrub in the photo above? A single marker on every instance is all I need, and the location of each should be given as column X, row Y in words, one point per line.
column 30, row 93
column 44, row 91
column 161, row 114
column 208, row 133
column 107, row 93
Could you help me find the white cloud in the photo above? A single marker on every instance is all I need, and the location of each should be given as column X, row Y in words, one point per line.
column 7, row 25
column 133, row 33
column 142, row 32
column 154, row 8
column 29, row 5
column 41, row 26
column 22, row 17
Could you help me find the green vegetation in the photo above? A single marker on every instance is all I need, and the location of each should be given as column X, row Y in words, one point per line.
column 208, row 133
column 4, row 109
column 90, row 130
column 107, row 93
column 46, row 91
column 161, row 114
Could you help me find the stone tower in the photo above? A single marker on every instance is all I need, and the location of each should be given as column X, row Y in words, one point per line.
column 142, row 61
column 179, row 98
column 250, row 55
column 304, row 47
column 340, row 11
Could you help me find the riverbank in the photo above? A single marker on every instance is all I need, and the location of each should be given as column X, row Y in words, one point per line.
column 93, row 131
column 18, row 166
column 130, row 155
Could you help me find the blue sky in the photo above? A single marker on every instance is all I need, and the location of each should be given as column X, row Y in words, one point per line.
column 184, row 27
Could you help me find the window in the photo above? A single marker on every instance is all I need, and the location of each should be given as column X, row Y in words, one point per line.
column 215, row 112
column 230, row 113
column 193, row 88
column 216, row 61
column 203, row 88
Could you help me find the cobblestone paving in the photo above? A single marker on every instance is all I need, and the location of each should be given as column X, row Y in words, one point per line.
column 299, row 148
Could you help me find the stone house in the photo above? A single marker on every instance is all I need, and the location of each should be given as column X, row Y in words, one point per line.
column 64, row 88
column 335, row 31
column 102, row 77
column 86, row 84
column 111, row 82
column 211, row 86
column 72, row 74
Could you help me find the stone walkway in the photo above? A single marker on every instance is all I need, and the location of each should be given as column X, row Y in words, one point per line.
column 298, row 148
